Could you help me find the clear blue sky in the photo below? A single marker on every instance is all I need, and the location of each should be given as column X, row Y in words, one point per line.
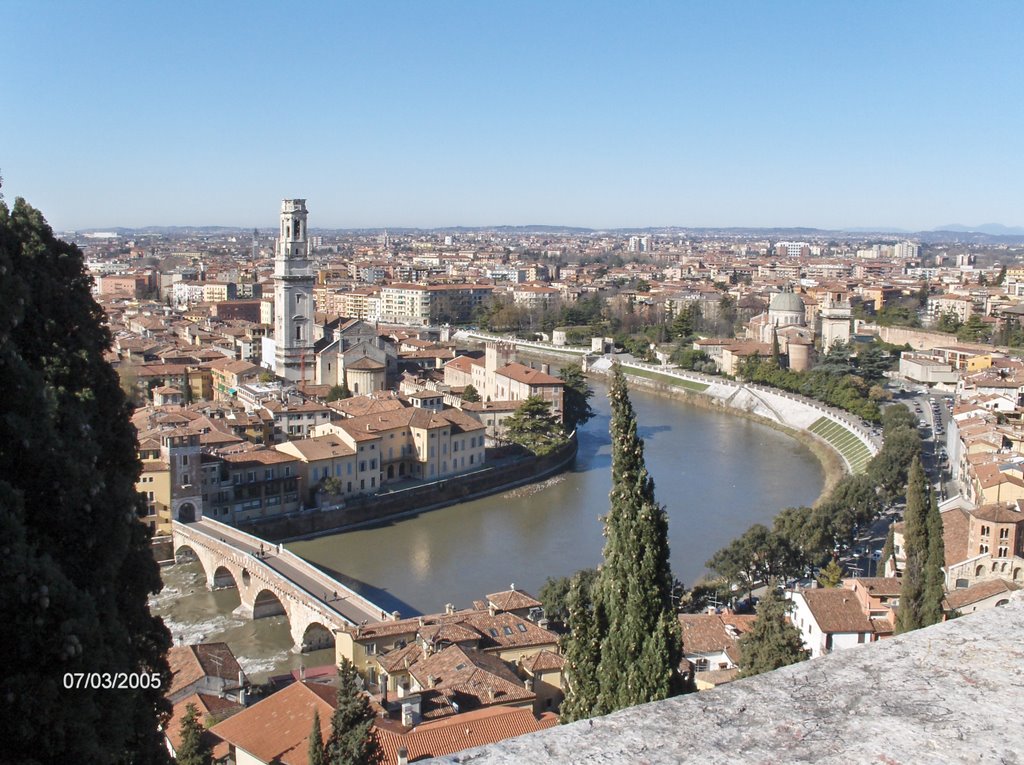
column 430, row 113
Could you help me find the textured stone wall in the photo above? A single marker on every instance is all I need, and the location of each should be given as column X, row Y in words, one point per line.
column 947, row 694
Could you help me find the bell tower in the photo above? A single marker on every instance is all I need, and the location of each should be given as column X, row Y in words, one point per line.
column 293, row 296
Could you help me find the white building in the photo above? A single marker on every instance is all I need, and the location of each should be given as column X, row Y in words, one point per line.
column 293, row 296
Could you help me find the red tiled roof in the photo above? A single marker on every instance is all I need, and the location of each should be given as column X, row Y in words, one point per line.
column 277, row 728
column 453, row 734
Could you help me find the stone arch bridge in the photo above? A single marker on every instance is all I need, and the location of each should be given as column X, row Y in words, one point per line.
column 271, row 580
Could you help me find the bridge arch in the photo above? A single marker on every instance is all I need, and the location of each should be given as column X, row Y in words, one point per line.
column 317, row 636
column 223, row 578
column 184, row 554
column 266, row 603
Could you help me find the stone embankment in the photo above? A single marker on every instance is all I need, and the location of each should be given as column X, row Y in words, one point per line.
column 849, row 436
column 412, row 500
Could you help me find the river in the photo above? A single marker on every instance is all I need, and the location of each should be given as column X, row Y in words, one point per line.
column 715, row 473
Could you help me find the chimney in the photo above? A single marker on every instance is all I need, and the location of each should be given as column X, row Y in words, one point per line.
column 403, row 756
column 528, row 684
column 512, row 587
column 492, row 609
column 302, row 672
column 449, row 608
column 545, row 368
column 431, row 681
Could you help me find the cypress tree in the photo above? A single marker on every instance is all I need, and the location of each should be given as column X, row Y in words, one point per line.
column 773, row 641
column 351, row 741
column 909, row 616
column 934, row 579
column 642, row 646
column 315, row 753
column 776, row 353
column 582, row 652
column 193, row 750
column 75, row 564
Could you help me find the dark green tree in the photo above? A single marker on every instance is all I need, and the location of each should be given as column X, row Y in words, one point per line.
column 831, row 575
column 554, row 593
column 776, row 353
column 685, row 322
column 337, row 392
column 934, row 577
column 470, row 395
column 642, row 648
column 194, row 749
column 76, row 569
column 582, row 647
column 873, row 363
column 316, row 754
column 773, row 641
column 758, row 555
column 910, row 615
column 576, row 409
column 533, row 427
column 351, row 741
column 948, row 322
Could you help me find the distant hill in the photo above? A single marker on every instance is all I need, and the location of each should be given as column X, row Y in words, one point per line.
column 993, row 229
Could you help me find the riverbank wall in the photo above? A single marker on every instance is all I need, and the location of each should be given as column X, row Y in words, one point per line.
column 847, row 438
column 389, row 506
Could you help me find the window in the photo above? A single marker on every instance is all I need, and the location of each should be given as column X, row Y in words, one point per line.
column 251, row 476
column 1004, row 533
column 985, row 531
column 494, row 632
column 982, row 549
column 1004, row 553
column 521, row 627
column 268, row 474
column 287, row 472
column 508, row 630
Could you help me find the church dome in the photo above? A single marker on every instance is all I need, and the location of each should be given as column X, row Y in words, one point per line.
column 786, row 302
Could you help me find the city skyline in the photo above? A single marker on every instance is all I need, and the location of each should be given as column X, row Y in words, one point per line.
column 596, row 116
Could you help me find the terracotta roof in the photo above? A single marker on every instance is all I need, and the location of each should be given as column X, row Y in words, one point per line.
column 463, row 731
column 836, row 610
column 959, row 598
column 998, row 513
column 365, row 363
column 955, row 529
column 276, row 729
column 542, row 661
column 358, row 406
column 210, row 708
column 512, row 600
column 880, row 586
column 258, row 457
column 191, row 663
column 318, row 448
column 524, row 374
column 708, row 633
column 482, row 678
column 506, row 630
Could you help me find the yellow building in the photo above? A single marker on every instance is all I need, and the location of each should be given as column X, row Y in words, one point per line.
column 154, row 485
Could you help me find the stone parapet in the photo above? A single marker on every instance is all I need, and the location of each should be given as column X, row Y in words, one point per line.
column 945, row 694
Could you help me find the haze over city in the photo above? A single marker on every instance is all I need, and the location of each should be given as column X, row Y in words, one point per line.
column 448, row 114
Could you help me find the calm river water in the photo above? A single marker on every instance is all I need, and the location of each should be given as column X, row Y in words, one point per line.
column 716, row 474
